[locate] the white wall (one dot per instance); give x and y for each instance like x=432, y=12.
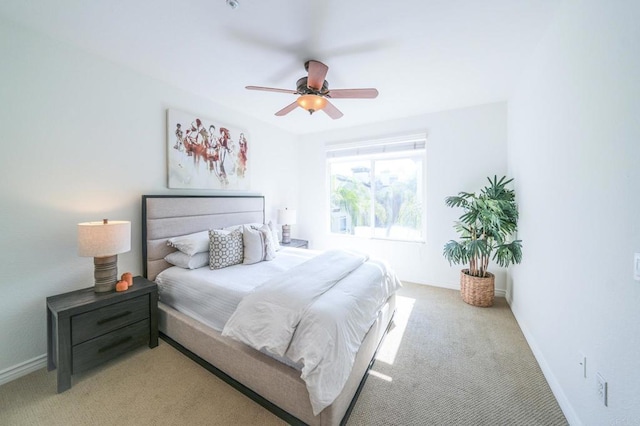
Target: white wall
x=574, y=149
x=82, y=139
x=464, y=146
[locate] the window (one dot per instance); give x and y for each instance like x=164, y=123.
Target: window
x=377, y=189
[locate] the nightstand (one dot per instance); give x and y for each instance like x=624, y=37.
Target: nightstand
x=296, y=243
x=85, y=328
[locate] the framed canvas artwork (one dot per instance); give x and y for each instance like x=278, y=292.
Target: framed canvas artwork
x=205, y=154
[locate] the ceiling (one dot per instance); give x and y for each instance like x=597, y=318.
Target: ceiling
x=422, y=55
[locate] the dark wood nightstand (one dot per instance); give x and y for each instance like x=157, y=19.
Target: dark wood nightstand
x=85, y=328
x=296, y=243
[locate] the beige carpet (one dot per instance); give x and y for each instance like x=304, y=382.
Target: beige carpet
x=157, y=386
x=455, y=364
x=444, y=363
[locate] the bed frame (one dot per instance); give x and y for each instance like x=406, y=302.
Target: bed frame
x=270, y=383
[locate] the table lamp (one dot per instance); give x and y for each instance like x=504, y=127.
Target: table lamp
x=104, y=241
x=286, y=217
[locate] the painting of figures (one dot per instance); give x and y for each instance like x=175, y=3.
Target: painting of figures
x=204, y=154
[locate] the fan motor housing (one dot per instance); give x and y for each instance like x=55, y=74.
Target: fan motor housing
x=304, y=89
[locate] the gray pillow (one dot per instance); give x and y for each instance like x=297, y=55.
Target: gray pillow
x=225, y=248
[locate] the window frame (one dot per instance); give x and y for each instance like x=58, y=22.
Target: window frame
x=384, y=149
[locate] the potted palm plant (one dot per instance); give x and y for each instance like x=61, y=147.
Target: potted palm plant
x=486, y=227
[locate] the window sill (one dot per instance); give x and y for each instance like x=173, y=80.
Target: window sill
x=360, y=237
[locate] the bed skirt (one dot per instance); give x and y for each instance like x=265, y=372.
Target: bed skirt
x=278, y=383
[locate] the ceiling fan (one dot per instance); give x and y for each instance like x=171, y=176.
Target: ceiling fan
x=314, y=92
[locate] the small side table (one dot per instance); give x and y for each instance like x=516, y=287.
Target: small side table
x=296, y=244
x=85, y=328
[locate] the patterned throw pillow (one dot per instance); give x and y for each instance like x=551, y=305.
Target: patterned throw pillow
x=225, y=248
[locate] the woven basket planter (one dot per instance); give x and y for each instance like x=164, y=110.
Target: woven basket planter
x=477, y=291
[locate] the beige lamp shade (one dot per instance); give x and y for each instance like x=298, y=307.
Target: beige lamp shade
x=104, y=241
x=287, y=217
x=105, y=238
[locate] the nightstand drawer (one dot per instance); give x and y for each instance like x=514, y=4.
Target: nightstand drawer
x=96, y=351
x=96, y=323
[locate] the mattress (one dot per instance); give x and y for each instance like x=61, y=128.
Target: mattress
x=211, y=296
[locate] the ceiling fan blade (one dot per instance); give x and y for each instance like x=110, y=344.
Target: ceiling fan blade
x=332, y=111
x=353, y=93
x=271, y=89
x=317, y=73
x=286, y=110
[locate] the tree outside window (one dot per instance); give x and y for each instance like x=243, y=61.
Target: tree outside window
x=378, y=196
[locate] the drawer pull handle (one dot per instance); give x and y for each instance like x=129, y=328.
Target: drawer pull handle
x=115, y=317
x=114, y=344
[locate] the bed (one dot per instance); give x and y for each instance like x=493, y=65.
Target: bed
x=275, y=384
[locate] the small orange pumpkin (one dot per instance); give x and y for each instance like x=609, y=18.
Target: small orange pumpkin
x=128, y=278
x=122, y=285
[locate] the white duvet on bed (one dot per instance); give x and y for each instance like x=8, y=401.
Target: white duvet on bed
x=267, y=317
x=316, y=315
x=211, y=296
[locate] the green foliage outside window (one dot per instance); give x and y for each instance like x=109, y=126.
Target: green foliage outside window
x=377, y=198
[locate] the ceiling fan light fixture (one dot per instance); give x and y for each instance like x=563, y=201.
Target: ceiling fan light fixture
x=312, y=103
x=233, y=4
x=314, y=93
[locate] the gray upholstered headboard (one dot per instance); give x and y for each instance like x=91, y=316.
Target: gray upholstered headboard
x=166, y=216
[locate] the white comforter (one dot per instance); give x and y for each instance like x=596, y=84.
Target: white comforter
x=316, y=314
x=212, y=296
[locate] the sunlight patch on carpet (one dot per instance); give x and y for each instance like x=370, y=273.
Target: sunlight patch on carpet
x=380, y=376
x=391, y=344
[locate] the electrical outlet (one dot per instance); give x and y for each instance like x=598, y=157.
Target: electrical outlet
x=582, y=362
x=601, y=387
x=636, y=266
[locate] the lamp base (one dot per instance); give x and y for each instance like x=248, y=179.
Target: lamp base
x=286, y=234
x=105, y=273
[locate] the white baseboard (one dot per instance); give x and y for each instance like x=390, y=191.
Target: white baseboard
x=558, y=392
x=22, y=369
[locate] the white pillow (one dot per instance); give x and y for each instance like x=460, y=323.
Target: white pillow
x=240, y=227
x=258, y=244
x=185, y=261
x=270, y=242
x=225, y=248
x=276, y=237
x=192, y=243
